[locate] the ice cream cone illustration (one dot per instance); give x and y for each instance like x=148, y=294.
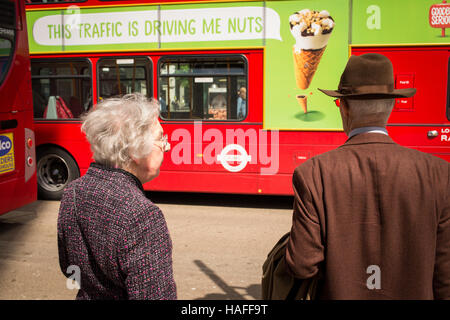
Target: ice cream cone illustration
x=311, y=30
x=302, y=101
x=306, y=62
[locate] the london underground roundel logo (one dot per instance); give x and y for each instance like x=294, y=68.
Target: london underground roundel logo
x=242, y=158
x=5, y=145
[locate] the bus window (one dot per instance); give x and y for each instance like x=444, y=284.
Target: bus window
x=6, y=51
x=61, y=88
x=119, y=76
x=206, y=88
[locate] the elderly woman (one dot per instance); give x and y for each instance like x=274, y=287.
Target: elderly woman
x=106, y=226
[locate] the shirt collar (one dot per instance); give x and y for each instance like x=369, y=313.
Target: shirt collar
x=357, y=131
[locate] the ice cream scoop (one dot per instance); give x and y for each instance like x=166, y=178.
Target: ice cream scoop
x=311, y=30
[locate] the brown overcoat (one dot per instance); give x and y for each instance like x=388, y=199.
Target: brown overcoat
x=372, y=204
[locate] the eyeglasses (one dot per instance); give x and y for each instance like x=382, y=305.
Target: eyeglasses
x=337, y=102
x=164, y=142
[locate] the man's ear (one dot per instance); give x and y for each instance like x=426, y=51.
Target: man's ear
x=344, y=107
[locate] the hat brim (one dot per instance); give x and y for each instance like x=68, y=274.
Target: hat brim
x=397, y=93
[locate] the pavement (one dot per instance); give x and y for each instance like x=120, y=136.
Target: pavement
x=219, y=245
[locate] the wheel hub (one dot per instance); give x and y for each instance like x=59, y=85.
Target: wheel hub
x=53, y=172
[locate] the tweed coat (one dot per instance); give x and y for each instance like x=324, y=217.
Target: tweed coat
x=372, y=218
x=116, y=236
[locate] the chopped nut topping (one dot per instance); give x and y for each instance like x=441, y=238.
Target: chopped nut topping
x=312, y=22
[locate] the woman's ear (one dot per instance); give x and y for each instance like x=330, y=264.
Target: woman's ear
x=137, y=161
x=134, y=163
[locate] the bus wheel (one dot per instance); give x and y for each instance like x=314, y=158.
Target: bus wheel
x=55, y=169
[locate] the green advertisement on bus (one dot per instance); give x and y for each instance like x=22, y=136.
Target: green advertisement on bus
x=306, y=43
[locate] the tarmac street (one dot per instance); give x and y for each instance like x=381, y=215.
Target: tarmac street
x=219, y=245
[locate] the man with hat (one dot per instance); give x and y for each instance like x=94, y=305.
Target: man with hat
x=371, y=218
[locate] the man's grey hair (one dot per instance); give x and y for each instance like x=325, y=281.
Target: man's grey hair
x=361, y=108
x=119, y=129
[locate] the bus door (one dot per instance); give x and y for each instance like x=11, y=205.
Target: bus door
x=421, y=122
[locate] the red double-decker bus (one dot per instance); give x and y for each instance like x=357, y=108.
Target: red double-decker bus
x=17, y=145
x=227, y=74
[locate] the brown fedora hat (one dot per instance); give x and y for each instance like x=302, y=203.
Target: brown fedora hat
x=368, y=76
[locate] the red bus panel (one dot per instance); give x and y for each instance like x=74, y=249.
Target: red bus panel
x=421, y=122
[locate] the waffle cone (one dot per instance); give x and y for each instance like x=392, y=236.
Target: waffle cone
x=305, y=64
x=302, y=101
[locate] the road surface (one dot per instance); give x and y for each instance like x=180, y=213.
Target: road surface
x=219, y=245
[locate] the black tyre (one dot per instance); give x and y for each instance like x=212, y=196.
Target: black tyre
x=55, y=169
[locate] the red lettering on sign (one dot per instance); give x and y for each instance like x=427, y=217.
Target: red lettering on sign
x=439, y=16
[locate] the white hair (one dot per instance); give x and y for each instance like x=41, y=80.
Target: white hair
x=119, y=129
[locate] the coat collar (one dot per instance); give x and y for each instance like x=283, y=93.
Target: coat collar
x=129, y=176
x=366, y=138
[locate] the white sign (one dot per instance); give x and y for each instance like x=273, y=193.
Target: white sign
x=190, y=25
x=203, y=80
x=224, y=158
